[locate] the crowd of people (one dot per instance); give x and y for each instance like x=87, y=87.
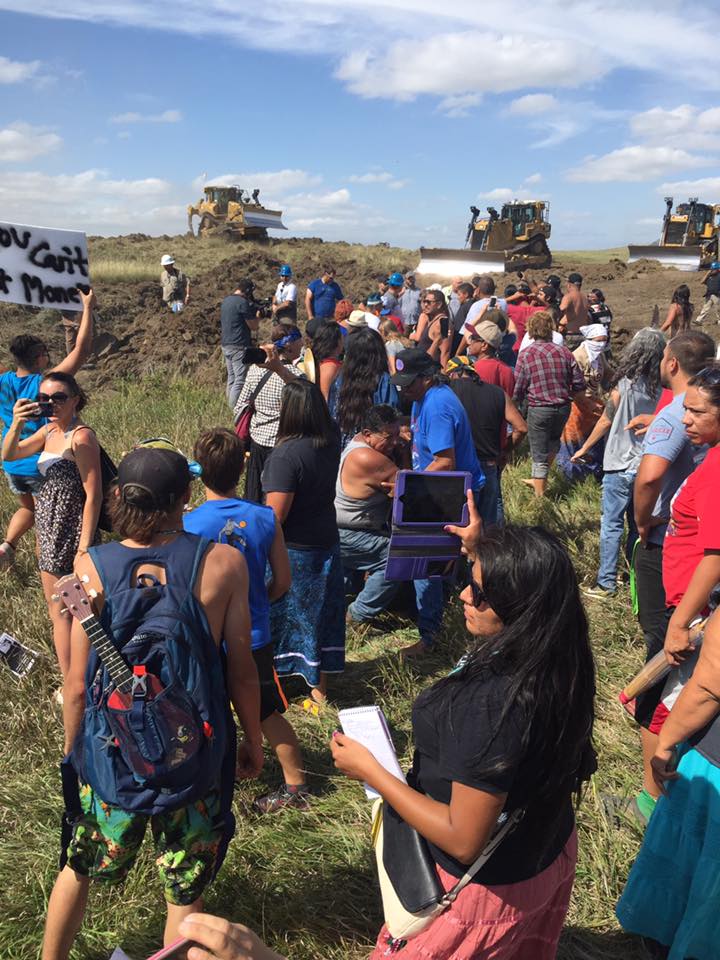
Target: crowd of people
x=210, y=610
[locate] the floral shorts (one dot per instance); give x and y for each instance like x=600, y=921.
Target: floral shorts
x=106, y=841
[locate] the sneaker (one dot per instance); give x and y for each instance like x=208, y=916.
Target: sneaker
x=598, y=593
x=7, y=553
x=294, y=798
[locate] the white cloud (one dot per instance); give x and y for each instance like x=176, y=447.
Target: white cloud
x=634, y=164
x=275, y=183
x=534, y=103
x=533, y=178
x=167, y=116
x=459, y=105
x=685, y=126
x=708, y=187
x=20, y=142
x=380, y=177
x=500, y=194
x=15, y=71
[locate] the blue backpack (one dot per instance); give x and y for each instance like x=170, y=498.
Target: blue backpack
x=157, y=724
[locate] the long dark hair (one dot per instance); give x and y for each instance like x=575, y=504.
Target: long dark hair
x=326, y=339
x=641, y=358
x=304, y=413
x=544, y=649
x=681, y=295
x=365, y=362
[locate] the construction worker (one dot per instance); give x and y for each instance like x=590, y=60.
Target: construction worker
x=284, y=304
x=711, y=280
x=175, y=285
x=393, y=292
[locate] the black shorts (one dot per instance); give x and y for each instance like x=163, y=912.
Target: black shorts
x=272, y=698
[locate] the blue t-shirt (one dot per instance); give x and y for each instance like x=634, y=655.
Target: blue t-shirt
x=12, y=388
x=325, y=296
x=439, y=422
x=666, y=438
x=250, y=528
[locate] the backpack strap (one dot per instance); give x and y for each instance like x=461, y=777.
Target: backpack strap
x=180, y=559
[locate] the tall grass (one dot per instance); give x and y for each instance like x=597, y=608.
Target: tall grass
x=305, y=882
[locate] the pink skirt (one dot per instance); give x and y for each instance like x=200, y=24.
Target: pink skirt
x=515, y=921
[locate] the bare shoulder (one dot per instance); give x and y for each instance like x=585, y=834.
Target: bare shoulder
x=84, y=436
x=222, y=564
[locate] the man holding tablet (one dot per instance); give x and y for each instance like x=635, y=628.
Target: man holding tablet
x=441, y=441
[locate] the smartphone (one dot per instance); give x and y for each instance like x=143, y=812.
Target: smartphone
x=176, y=949
x=254, y=355
x=45, y=408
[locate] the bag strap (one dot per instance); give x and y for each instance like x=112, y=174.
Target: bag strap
x=488, y=850
x=261, y=383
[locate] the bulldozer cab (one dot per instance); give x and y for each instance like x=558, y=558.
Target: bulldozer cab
x=524, y=216
x=702, y=218
x=221, y=196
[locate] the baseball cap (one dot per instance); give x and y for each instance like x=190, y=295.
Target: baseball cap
x=490, y=333
x=715, y=265
x=357, y=318
x=153, y=479
x=553, y=280
x=575, y=278
x=373, y=300
x=459, y=363
x=166, y=260
x=411, y=364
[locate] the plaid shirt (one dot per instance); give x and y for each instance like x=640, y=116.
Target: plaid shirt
x=547, y=374
x=266, y=419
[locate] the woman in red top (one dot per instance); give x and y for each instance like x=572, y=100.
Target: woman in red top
x=327, y=347
x=691, y=552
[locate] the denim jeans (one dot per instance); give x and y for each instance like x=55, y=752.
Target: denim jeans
x=545, y=426
x=236, y=372
x=490, y=497
x=365, y=551
x=430, y=601
x=617, y=503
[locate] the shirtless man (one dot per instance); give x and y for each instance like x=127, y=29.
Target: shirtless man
x=575, y=308
x=153, y=488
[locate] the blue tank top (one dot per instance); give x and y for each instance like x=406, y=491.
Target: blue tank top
x=251, y=528
x=12, y=388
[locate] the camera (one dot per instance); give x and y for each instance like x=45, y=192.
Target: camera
x=263, y=306
x=254, y=355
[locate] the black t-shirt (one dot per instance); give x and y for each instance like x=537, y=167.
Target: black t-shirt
x=296, y=466
x=459, y=738
x=484, y=404
x=458, y=321
x=234, y=313
x=712, y=285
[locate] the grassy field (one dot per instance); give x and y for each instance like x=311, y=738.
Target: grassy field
x=305, y=882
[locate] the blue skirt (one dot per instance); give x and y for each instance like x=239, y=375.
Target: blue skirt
x=308, y=623
x=673, y=891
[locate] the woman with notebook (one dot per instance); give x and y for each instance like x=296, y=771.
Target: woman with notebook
x=509, y=729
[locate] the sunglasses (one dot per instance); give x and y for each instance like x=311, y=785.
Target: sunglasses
x=709, y=375
x=479, y=597
x=429, y=300
x=56, y=398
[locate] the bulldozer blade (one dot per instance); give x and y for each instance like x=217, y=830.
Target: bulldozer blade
x=445, y=264
x=682, y=258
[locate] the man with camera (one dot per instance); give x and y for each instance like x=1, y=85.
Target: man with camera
x=239, y=318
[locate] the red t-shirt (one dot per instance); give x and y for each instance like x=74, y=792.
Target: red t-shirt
x=666, y=398
x=694, y=527
x=519, y=313
x=495, y=371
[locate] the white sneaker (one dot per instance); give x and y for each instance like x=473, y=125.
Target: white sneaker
x=7, y=554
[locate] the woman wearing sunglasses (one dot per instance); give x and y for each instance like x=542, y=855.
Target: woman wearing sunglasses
x=68, y=503
x=671, y=893
x=510, y=728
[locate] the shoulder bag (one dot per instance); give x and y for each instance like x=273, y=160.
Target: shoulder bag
x=242, y=427
x=412, y=895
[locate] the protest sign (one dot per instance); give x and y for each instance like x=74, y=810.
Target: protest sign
x=41, y=267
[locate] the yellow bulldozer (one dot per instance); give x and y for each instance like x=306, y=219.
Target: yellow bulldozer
x=514, y=239
x=234, y=214
x=689, y=237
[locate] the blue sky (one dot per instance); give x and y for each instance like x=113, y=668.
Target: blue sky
x=366, y=120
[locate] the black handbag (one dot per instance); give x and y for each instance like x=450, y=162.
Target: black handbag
x=108, y=476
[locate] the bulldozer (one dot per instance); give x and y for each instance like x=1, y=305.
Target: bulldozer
x=514, y=239
x=689, y=237
x=233, y=213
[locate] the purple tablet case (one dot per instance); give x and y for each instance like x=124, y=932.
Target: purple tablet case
x=421, y=550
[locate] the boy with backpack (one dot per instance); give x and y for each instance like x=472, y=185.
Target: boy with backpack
x=252, y=529
x=156, y=661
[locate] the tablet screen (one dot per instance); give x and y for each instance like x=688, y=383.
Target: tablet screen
x=430, y=498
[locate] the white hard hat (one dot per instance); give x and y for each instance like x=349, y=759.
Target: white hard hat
x=167, y=260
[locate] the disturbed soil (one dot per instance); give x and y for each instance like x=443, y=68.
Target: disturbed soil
x=137, y=336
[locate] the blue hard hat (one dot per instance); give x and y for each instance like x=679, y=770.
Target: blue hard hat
x=286, y=270
x=715, y=265
x=396, y=279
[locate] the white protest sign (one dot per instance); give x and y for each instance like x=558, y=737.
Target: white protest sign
x=41, y=267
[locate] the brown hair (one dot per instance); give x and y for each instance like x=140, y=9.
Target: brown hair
x=221, y=456
x=131, y=522
x=71, y=383
x=540, y=325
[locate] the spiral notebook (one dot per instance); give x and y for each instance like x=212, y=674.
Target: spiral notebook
x=369, y=727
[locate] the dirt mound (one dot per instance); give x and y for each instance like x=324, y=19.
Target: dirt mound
x=137, y=335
